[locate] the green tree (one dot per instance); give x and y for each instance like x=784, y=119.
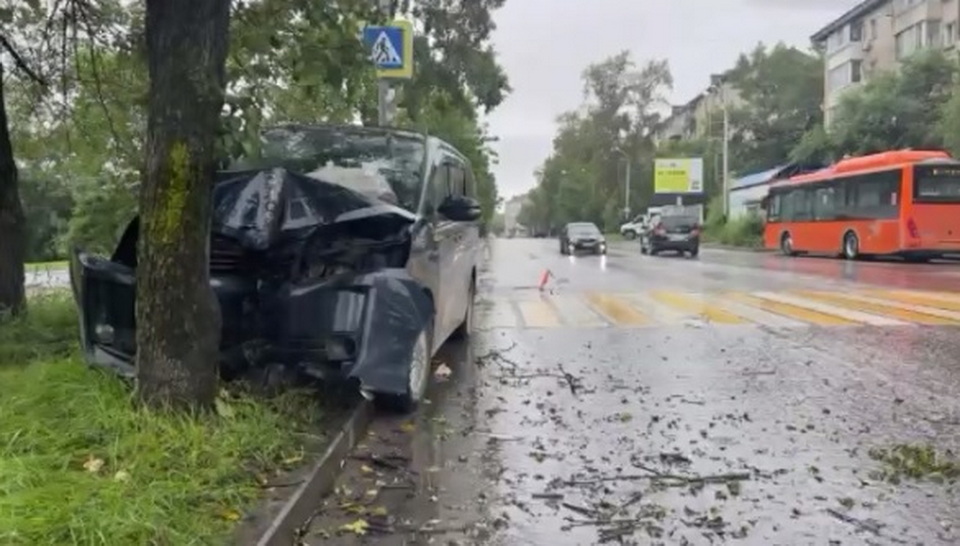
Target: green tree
x=583, y=178
x=13, y=229
x=781, y=88
x=908, y=108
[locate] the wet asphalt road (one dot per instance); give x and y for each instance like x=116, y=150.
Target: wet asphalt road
x=657, y=400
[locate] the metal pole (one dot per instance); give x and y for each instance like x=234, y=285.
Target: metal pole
x=383, y=102
x=626, y=198
x=383, y=85
x=726, y=161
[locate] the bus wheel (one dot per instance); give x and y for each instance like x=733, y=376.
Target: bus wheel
x=851, y=246
x=786, y=245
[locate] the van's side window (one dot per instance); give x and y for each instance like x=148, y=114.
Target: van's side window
x=437, y=191
x=458, y=180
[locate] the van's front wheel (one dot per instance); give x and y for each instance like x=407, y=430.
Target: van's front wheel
x=418, y=377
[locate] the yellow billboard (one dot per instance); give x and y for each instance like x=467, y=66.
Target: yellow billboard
x=678, y=175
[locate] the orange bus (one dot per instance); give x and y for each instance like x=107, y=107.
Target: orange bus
x=904, y=203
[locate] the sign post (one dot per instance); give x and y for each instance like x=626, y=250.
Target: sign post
x=391, y=50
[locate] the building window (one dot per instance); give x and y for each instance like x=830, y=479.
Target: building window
x=873, y=29
x=841, y=76
x=856, y=31
x=949, y=33
x=837, y=40
x=838, y=77
x=934, y=38
x=910, y=40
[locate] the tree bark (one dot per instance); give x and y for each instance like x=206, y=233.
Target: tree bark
x=178, y=318
x=12, y=220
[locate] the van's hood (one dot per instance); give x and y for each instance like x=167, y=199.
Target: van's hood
x=262, y=208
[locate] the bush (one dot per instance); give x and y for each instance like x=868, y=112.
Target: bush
x=743, y=231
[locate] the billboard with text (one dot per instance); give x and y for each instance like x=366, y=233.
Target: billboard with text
x=678, y=175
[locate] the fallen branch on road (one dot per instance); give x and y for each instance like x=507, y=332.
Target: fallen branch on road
x=496, y=355
x=861, y=525
x=660, y=478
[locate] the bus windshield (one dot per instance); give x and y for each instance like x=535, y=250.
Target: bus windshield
x=936, y=184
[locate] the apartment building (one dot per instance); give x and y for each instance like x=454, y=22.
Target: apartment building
x=876, y=35
x=701, y=117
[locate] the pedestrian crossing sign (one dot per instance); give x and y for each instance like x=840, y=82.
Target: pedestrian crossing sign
x=391, y=49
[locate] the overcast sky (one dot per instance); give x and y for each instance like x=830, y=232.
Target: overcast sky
x=545, y=50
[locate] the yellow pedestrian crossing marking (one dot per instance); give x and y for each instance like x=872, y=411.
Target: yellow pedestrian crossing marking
x=664, y=308
x=539, y=314
x=689, y=304
x=792, y=311
x=617, y=310
x=930, y=299
x=885, y=309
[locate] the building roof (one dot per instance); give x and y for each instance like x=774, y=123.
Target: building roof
x=756, y=179
x=858, y=11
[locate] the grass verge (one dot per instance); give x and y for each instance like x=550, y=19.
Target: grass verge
x=80, y=463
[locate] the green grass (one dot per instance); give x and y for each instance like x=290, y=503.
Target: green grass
x=44, y=266
x=81, y=463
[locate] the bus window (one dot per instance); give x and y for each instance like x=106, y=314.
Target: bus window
x=936, y=184
x=772, y=205
x=824, y=204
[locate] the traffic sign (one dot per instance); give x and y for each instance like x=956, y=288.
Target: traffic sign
x=391, y=49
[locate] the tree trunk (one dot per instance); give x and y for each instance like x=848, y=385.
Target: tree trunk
x=12, y=229
x=178, y=318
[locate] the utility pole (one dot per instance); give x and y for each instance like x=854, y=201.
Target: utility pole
x=626, y=184
x=626, y=192
x=726, y=159
x=383, y=85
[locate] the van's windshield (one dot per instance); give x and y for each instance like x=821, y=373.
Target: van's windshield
x=386, y=165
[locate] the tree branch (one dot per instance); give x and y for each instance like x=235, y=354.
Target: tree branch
x=19, y=62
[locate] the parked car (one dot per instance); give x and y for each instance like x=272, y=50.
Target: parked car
x=582, y=236
x=345, y=253
x=678, y=233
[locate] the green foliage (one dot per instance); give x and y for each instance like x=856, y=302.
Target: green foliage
x=746, y=231
x=782, y=88
x=82, y=465
x=915, y=107
x=80, y=144
x=583, y=178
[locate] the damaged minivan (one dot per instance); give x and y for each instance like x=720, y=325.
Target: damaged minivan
x=340, y=252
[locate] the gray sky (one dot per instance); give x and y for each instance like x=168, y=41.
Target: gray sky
x=545, y=50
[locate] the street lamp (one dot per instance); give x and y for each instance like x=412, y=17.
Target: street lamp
x=717, y=86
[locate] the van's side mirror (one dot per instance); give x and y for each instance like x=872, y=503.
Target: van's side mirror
x=460, y=209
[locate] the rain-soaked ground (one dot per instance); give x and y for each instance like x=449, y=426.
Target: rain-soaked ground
x=740, y=398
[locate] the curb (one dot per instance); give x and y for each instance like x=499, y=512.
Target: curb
x=300, y=507
x=731, y=248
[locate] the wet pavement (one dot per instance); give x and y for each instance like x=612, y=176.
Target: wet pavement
x=741, y=398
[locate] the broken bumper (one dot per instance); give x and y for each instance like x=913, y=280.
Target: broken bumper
x=351, y=326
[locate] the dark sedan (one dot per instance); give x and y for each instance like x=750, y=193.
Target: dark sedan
x=680, y=234
x=582, y=236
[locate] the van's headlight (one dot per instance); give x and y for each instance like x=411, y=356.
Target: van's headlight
x=104, y=334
